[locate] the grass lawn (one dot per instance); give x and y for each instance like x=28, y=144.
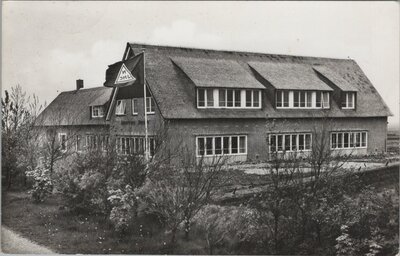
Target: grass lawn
x=64, y=232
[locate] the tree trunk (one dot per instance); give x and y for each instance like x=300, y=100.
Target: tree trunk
x=187, y=228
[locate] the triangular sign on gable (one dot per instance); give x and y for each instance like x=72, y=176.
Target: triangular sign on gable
x=124, y=75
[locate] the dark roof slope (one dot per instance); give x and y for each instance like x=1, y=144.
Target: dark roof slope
x=335, y=78
x=73, y=107
x=175, y=93
x=217, y=73
x=290, y=76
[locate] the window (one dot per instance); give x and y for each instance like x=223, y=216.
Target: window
x=222, y=98
x=348, y=140
x=290, y=142
x=62, y=137
x=78, y=143
x=210, y=98
x=121, y=107
x=201, y=98
x=97, y=111
x=150, y=105
x=228, y=98
x=221, y=145
x=348, y=100
x=135, y=107
x=282, y=99
x=302, y=99
x=134, y=145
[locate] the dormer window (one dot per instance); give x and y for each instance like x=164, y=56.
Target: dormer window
x=97, y=111
x=348, y=100
x=228, y=98
x=302, y=99
x=120, y=108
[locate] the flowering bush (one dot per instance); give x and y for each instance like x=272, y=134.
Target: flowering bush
x=42, y=183
x=124, y=208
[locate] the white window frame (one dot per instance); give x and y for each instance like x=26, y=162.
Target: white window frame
x=77, y=142
x=120, y=111
x=216, y=92
x=135, y=111
x=347, y=101
x=134, y=143
x=336, y=134
x=297, y=134
x=222, y=145
x=60, y=135
x=150, y=100
x=312, y=105
x=97, y=111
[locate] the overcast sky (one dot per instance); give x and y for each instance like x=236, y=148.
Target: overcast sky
x=46, y=46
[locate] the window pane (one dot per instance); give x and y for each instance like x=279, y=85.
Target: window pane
x=302, y=99
x=286, y=99
x=326, y=99
x=210, y=97
x=333, y=139
x=230, y=98
x=222, y=99
x=135, y=106
x=287, y=142
x=201, y=99
x=209, y=145
x=272, y=143
x=256, y=99
x=351, y=139
x=200, y=145
x=78, y=142
x=296, y=101
x=345, y=140
x=301, y=141
x=248, y=98
x=242, y=144
x=294, y=142
x=358, y=139
x=280, y=142
x=308, y=141
x=226, y=145
x=363, y=139
x=309, y=99
x=350, y=99
x=318, y=100
x=344, y=100
x=340, y=140
x=218, y=146
x=237, y=98
x=152, y=146
x=279, y=98
x=234, y=144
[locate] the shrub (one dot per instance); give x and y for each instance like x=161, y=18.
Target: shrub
x=226, y=226
x=124, y=204
x=42, y=183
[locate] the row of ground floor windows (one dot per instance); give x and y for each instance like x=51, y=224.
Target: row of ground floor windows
x=285, y=142
x=221, y=145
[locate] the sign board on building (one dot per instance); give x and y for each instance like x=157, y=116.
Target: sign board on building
x=124, y=75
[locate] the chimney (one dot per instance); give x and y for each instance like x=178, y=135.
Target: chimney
x=79, y=84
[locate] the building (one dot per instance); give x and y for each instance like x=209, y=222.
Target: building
x=241, y=104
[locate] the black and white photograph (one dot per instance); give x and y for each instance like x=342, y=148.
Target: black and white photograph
x=200, y=128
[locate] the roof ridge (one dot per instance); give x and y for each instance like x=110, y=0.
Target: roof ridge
x=138, y=44
x=87, y=89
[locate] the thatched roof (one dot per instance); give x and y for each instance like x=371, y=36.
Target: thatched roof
x=73, y=107
x=217, y=73
x=335, y=78
x=173, y=73
x=290, y=76
x=175, y=94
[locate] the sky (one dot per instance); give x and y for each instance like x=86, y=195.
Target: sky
x=46, y=46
